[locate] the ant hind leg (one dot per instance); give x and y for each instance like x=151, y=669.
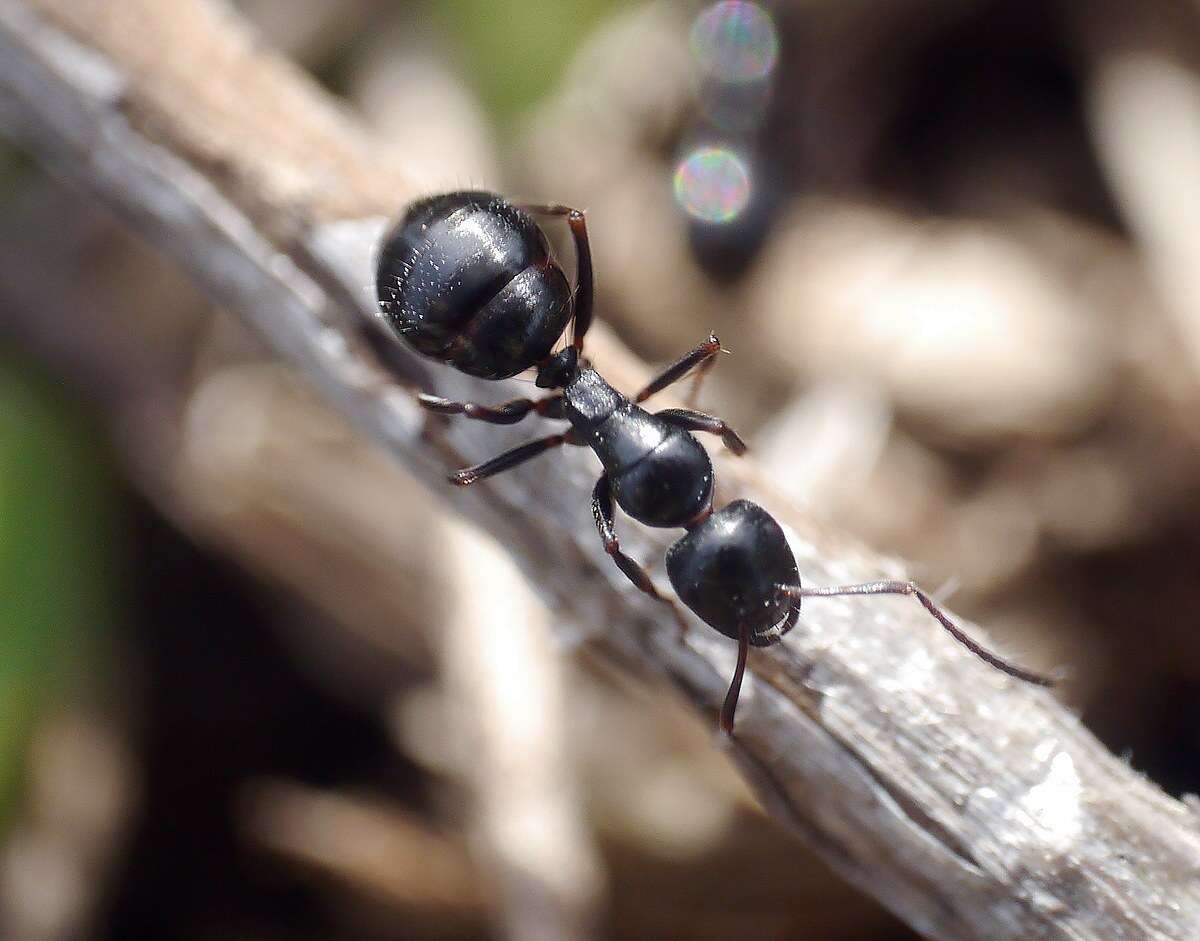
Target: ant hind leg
x=701, y=359
x=508, y=413
x=584, y=294
x=509, y=459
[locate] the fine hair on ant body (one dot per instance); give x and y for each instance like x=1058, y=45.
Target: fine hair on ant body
x=469, y=279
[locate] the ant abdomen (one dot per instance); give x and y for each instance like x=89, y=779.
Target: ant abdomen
x=468, y=278
x=728, y=568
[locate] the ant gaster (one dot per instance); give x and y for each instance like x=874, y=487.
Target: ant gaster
x=469, y=279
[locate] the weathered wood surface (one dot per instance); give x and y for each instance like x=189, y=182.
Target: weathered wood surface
x=972, y=805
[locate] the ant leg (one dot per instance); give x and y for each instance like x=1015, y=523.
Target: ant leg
x=910, y=588
x=701, y=356
x=584, y=295
x=729, y=707
x=509, y=459
x=702, y=371
x=689, y=420
x=508, y=413
x=602, y=510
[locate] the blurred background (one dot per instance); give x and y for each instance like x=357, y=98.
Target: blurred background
x=244, y=687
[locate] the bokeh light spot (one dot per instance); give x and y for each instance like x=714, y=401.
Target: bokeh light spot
x=735, y=41
x=712, y=184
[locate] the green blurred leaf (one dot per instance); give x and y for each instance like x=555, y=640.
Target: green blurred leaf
x=516, y=50
x=56, y=571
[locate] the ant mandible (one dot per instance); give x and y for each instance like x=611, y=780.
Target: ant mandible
x=469, y=279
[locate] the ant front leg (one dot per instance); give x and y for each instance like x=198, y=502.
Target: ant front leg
x=701, y=359
x=509, y=413
x=602, y=511
x=910, y=588
x=689, y=420
x=584, y=295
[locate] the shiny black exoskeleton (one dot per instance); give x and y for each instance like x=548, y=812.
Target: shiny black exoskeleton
x=468, y=279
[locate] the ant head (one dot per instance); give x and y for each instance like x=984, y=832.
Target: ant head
x=560, y=369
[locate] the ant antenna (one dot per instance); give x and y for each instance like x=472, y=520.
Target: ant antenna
x=729, y=706
x=909, y=588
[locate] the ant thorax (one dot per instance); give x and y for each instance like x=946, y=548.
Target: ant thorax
x=589, y=399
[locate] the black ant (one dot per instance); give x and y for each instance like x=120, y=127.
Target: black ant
x=469, y=279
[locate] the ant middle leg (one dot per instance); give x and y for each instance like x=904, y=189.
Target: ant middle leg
x=602, y=511
x=701, y=359
x=510, y=459
x=508, y=413
x=690, y=420
x=910, y=588
x=584, y=294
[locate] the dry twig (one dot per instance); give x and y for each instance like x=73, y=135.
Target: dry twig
x=973, y=806
x=506, y=686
